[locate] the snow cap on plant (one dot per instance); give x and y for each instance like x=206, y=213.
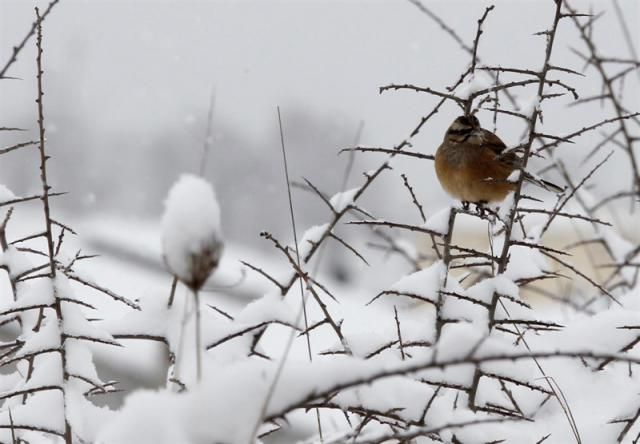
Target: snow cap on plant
x=191, y=235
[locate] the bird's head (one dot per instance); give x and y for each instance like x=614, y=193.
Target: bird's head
x=462, y=128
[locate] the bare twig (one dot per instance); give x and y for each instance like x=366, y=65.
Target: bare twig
x=20, y=46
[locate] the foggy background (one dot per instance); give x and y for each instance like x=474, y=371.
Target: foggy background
x=128, y=86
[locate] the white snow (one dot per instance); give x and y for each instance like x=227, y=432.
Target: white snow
x=270, y=307
x=514, y=176
x=310, y=237
x=475, y=83
x=190, y=226
x=48, y=337
x=393, y=357
x=439, y=222
x=6, y=194
x=16, y=262
x=425, y=282
x=151, y=319
x=340, y=201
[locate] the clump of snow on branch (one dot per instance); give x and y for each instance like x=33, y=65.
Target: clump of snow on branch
x=475, y=83
x=439, y=222
x=191, y=233
x=343, y=199
x=311, y=237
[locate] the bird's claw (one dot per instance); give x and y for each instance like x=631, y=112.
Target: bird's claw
x=480, y=209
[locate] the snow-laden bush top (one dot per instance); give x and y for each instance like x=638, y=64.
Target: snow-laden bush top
x=191, y=234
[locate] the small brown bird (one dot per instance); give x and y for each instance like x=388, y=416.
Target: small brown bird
x=472, y=165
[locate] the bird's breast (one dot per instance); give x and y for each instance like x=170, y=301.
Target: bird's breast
x=471, y=173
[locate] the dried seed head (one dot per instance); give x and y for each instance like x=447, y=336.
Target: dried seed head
x=191, y=235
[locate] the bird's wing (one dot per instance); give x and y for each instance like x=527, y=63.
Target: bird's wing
x=492, y=141
x=496, y=145
x=549, y=186
x=510, y=160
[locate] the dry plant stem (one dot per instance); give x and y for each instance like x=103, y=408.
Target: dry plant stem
x=196, y=301
x=74, y=277
x=407, y=436
x=172, y=293
x=369, y=179
x=512, y=215
x=553, y=386
x=422, y=216
x=413, y=197
x=28, y=198
x=18, y=146
x=303, y=308
x=352, y=156
x=30, y=428
x=395, y=311
x=208, y=138
x=250, y=329
x=476, y=41
x=337, y=216
x=20, y=46
x=310, y=283
x=178, y=353
x=68, y=436
x=345, y=181
x=388, y=224
x=465, y=104
x=295, y=234
x=590, y=212
x=627, y=428
x=392, y=151
x=574, y=190
x=434, y=363
x=446, y=259
x=5, y=246
x=610, y=94
x=13, y=432
x=472, y=50
x=627, y=34
x=510, y=222
x=568, y=138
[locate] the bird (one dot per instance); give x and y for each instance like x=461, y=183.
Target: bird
x=473, y=165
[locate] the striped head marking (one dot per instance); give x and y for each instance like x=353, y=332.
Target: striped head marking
x=462, y=128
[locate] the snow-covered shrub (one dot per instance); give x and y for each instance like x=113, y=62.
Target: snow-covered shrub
x=449, y=352
x=48, y=376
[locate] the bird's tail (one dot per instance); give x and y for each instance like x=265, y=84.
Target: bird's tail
x=549, y=186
